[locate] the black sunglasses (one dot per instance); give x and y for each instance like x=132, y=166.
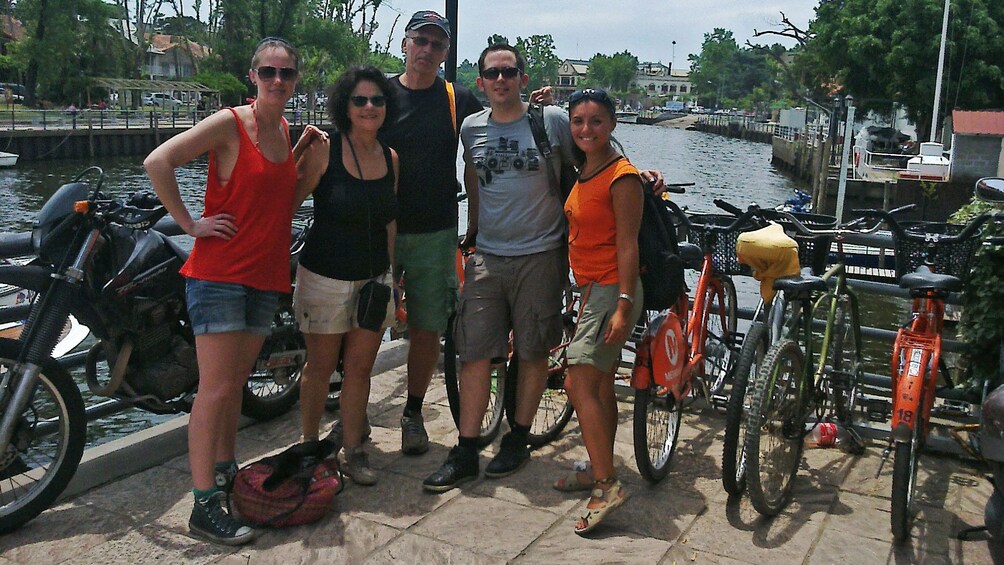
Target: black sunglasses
x=268, y=73
x=492, y=73
x=594, y=94
x=359, y=101
x=423, y=41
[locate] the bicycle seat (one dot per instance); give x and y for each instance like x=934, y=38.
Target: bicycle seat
x=802, y=282
x=691, y=254
x=924, y=279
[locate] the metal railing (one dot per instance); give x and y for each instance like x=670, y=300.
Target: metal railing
x=25, y=119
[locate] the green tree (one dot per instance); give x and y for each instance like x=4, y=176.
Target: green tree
x=467, y=75
x=714, y=70
x=232, y=91
x=885, y=52
x=612, y=72
x=542, y=63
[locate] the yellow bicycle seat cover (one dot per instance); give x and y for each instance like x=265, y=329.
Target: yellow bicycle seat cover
x=771, y=254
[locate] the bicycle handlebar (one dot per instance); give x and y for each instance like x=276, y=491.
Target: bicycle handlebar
x=968, y=232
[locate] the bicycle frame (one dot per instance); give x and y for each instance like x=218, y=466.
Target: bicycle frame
x=915, y=349
x=697, y=322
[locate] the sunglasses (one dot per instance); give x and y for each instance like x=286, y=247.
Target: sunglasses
x=268, y=73
x=594, y=94
x=423, y=41
x=360, y=101
x=493, y=73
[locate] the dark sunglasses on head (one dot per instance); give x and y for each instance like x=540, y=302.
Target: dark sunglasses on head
x=359, y=101
x=268, y=73
x=423, y=41
x=492, y=73
x=594, y=94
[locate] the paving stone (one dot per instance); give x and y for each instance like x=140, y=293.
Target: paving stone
x=148, y=545
x=421, y=550
x=334, y=539
x=144, y=496
x=396, y=500
x=606, y=544
x=835, y=546
x=467, y=518
x=63, y=532
x=531, y=486
x=681, y=554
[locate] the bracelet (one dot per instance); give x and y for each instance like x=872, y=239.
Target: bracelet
x=626, y=296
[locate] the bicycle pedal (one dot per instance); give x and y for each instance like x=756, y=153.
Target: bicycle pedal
x=719, y=401
x=877, y=410
x=952, y=408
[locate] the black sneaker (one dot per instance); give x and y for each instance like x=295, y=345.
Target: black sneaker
x=512, y=455
x=211, y=522
x=461, y=466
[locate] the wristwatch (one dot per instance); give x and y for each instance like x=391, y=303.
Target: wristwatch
x=626, y=296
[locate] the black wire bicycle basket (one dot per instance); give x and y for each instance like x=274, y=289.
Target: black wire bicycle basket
x=950, y=257
x=813, y=250
x=723, y=243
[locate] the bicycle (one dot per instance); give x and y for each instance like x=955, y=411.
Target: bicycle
x=790, y=386
x=703, y=352
x=763, y=331
x=932, y=260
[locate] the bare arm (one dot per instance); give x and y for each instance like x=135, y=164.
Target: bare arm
x=217, y=133
x=471, y=187
x=392, y=227
x=627, y=203
x=310, y=166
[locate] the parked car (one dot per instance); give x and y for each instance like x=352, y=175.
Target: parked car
x=162, y=100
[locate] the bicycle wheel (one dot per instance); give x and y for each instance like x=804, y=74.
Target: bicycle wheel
x=656, y=429
x=845, y=362
x=904, y=481
x=719, y=344
x=271, y=391
x=775, y=428
x=47, y=444
x=744, y=380
x=492, y=420
x=554, y=410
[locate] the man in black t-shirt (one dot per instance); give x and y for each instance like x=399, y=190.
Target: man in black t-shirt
x=425, y=138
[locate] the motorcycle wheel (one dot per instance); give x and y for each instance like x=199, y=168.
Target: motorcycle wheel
x=270, y=393
x=49, y=438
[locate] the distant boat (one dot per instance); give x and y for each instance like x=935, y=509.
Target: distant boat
x=7, y=159
x=627, y=117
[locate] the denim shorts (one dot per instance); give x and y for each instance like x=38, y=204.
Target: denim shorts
x=219, y=307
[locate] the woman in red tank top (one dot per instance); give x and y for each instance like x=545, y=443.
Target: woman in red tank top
x=233, y=282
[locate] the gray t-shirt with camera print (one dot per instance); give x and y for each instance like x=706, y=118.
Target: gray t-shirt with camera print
x=519, y=212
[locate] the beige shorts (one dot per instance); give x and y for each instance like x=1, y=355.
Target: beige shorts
x=329, y=306
x=587, y=347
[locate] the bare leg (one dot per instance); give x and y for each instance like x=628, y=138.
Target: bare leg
x=423, y=355
x=475, y=390
x=360, y=352
x=584, y=391
x=531, y=386
x=322, y=358
x=225, y=360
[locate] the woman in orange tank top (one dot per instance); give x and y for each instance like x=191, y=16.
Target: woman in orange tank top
x=233, y=282
x=604, y=213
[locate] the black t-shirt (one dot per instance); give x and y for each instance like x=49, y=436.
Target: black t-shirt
x=348, y=240
x=426, y=146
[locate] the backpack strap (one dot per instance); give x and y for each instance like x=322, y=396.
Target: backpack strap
x=452, y=95
x=535, y=113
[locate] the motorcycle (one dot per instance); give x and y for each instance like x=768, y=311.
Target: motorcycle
x=99, y=260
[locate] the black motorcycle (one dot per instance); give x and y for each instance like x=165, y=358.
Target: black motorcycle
x=99, y=260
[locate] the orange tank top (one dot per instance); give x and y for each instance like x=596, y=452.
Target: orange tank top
x=260, y=196
x=592, y=230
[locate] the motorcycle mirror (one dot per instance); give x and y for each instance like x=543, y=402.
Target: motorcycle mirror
x=990, y=189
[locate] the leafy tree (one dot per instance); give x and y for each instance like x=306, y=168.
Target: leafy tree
x=612, y=72
x=542, y=63
x=714, y=71
x=495, y=39
x=467, y=75
x=885, y=52
x=231, y=90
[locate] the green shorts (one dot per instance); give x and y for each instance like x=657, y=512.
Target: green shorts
x=428, y=263
x=587, y=347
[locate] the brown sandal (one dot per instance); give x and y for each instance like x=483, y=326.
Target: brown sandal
x=570, y=482
x=612, y=498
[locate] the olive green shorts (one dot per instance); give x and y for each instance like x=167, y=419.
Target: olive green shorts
x=428, y=263
x=587, y=347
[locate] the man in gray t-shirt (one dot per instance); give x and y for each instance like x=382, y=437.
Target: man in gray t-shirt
x=515, y=279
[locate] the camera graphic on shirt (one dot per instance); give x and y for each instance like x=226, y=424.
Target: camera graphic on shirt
x=508, y=157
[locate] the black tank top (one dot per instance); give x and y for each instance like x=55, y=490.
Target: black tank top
x=348, y=240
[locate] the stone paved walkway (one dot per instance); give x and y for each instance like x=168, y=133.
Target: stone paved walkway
x=840, y=512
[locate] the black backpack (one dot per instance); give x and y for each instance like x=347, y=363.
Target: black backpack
x=659, y=262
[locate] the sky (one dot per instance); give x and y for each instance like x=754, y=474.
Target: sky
x=583, y=28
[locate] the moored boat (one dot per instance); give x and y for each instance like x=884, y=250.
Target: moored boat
x=7, y=159
x=627, y=117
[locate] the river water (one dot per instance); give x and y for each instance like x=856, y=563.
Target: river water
x=735, y=170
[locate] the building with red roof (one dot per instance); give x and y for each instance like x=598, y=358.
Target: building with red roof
x=976, y=139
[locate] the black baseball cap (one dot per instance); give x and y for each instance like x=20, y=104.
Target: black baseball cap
x=428, y=17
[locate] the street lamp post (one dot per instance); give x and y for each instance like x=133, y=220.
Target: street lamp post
x=672, y=62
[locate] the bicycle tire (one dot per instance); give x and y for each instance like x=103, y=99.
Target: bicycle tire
x=776, y=413
x=554, y=410
x=23, y=493
x=845, y=364
x=904, y=479
x=492, y=421
x=655, y=442
x=720, y=328
x=744, y=379
x=270, y=393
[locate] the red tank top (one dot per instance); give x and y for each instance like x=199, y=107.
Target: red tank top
x=260, y=196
